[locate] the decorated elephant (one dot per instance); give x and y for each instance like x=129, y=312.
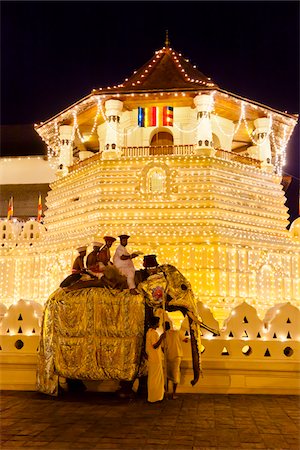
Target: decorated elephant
x=97, y=333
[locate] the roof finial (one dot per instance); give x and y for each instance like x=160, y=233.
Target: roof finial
x=167, y=42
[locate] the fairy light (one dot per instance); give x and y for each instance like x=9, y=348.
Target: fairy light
x=88, y=136
x=212, y=211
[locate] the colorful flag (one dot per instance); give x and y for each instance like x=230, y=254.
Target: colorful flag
x=168, y=116
x=147, y=116
x=155, y=116
x=40, y=209
x=10, y=211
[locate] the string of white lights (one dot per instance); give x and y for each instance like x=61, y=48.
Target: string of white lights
x=230, y=135
x=87, y=137
x=250, y=134
x=53, y=147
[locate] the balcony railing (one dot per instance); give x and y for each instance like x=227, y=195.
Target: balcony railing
x=182, y=150
x=174, y=150
x=231, y=156
x=160, y=150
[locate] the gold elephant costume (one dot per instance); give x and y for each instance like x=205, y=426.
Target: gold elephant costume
x=98, y=333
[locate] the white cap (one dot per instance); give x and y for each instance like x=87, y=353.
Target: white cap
x=82, y=249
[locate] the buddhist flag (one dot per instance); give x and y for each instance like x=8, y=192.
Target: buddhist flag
x=155, y=116
x=40, y=209
x=168, y=116
x=147, y=117
x=10, y=210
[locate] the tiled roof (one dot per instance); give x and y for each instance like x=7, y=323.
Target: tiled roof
x=167, y=70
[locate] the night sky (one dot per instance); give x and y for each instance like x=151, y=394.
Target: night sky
x=54, y=53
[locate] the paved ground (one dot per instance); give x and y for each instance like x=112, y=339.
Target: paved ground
x=30, y=420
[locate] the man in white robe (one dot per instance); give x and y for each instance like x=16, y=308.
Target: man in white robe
x=123, y=262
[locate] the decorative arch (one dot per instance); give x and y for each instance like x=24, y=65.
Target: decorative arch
x=161, y=139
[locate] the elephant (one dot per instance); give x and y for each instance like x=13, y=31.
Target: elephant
x=96, y=332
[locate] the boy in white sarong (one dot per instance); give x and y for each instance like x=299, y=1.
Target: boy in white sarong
x=155, y=381
x=173, y=354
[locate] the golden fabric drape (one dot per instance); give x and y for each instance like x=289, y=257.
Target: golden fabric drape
x=90, y=334
x=97, y=333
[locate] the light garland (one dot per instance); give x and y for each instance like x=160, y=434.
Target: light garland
x=250, y=134
x=233, y=209
x=242, y=118
x=177, y=59
x=280, y=153
x=87, y=138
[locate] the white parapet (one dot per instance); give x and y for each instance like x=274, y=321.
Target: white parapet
x=251, y=355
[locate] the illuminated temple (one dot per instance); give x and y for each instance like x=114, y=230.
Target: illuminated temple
x=192, y=173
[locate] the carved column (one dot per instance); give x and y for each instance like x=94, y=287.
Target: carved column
x=66, y=147
x=113, y=113
x=204, y=105
x=261, y=135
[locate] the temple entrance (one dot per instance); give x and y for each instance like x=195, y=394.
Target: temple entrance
x=161, y=143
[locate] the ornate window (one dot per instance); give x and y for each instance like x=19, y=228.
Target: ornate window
x=156, y=180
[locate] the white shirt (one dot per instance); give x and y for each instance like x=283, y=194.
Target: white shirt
x=122, y=263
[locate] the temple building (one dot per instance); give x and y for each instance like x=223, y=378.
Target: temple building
x=192, y=172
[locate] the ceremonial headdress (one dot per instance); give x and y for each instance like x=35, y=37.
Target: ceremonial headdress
x=82, y=249
x=109, y=239
x=150, y=262
x=97, y=244
x=124, y=236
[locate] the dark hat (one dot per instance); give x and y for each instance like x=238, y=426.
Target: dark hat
x=97, y=244
x=109, y=239
x=150, y=262
x=125, y=236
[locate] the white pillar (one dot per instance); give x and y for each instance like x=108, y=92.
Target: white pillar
x=113, y=109
x=204, y=105
x=262, y=137
x=66, y=147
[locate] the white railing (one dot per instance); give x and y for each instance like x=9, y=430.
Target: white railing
x=166, y=150
x=160, y=150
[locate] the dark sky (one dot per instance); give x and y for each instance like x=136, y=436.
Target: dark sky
x=54, y=53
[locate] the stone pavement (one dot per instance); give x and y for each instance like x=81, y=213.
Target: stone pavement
x=93, y=420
